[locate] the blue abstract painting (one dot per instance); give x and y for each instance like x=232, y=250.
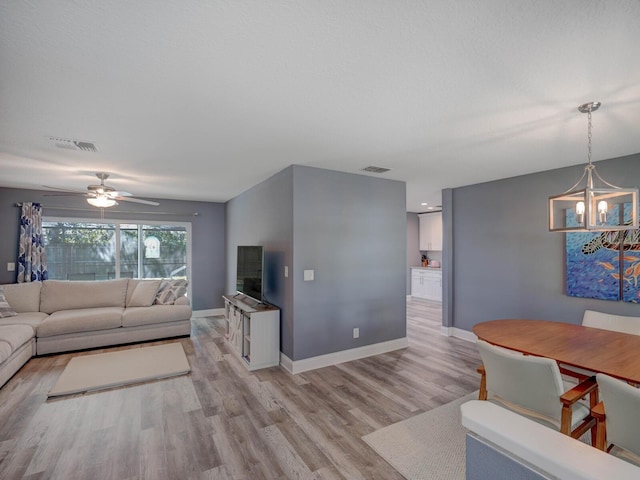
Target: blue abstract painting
x=591, y=274
x=604, y=265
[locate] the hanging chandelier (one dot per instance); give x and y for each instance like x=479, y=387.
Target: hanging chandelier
x=587, y=207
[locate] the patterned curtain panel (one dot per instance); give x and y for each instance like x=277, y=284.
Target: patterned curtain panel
x=32, y=261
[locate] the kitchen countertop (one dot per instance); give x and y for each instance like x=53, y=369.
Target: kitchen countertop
x=428, y=268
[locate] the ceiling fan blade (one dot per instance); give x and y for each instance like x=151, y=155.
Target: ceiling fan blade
x=68, y=190
x=137, y=200
x=66, y=194
x=100, y=191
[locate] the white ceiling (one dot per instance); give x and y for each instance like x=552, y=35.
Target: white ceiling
x=200, y=100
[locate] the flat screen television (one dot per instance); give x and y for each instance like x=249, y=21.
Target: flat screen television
x=249, y=271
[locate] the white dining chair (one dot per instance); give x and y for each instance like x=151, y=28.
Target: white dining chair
x=618, y=418
x=533, y=386
x=604, y=321
x=607, y=321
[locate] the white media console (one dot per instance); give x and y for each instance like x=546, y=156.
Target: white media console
x=253, y=331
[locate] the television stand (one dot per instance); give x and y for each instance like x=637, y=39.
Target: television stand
x=253, y=330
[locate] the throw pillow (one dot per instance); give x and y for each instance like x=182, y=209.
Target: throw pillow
x=5, y=308
x=170, y=291
x=144, y=294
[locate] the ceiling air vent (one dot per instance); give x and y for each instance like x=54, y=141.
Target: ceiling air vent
x=373, y=169
x=76, y=145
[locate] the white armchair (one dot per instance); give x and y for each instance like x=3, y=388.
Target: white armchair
x=604, y=321
x=618, y=417
x=607, y=321
x=533, y=387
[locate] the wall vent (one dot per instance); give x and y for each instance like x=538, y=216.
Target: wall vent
x=75, y=145
x=373, y=169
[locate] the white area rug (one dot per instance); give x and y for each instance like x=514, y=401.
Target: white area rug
x=124, y=367
x=429, y=446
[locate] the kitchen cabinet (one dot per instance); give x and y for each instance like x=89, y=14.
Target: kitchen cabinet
x=430, y=231
x=426, y=283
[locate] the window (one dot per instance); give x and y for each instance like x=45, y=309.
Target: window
x=78, y=250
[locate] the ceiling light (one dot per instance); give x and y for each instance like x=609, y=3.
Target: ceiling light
x=424, y=204
x=591, y=208
x=101, y=201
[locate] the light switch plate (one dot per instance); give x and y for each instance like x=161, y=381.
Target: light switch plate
x=11, y=267
x=308, y=275
x=286, y=271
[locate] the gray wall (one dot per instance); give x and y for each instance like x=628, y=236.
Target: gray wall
x=506, y=264
x=351, y=230
x=207, y=277
x=263, y=215
x=414, y=259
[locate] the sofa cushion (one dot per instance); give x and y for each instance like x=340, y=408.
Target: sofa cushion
x=29, y=318
x=16, y=335
x=5, y=308
x=182, y=301
x=134, y=316
x=144, y=294
x=59, y=295
x=131, y=287
x=170, y=291
x=23, y=297
x=5, y=351
x=80, y=320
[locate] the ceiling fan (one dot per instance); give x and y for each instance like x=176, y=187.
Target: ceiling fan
x=103, y=196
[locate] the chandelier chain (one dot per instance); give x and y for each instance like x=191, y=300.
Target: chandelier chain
x=589, y=137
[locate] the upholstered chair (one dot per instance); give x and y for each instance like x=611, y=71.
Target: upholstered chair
x=604, y=321
x=533, y=386
x=607, y=321
x=618, y=418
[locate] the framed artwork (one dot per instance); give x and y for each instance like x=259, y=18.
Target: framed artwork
x=603, y=265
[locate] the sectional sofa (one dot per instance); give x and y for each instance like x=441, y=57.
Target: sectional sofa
x=54, y=316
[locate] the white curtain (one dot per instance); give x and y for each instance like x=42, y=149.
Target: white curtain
x=32, y=261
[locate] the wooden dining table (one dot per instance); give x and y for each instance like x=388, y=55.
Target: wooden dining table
x=594, y=349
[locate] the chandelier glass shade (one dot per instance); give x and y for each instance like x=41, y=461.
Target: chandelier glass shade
x=593, y=204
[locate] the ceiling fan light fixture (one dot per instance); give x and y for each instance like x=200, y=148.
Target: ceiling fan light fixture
x=101, y=201
x=587, y=208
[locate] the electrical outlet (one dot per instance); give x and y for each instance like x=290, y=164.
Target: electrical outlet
x=308, y=275
x=356, y=332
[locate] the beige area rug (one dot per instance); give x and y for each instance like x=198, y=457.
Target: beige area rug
x=124, y=367
x=429, y=446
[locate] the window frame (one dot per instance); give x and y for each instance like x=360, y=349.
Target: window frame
x=119, y=222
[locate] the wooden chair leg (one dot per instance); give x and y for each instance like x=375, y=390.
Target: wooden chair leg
x=565, y=419
x=482, y=393
x=598, y=413
x=601, y=436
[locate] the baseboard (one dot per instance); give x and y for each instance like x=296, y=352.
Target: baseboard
x=458, y=333
x=335, y=358
x=212, y=312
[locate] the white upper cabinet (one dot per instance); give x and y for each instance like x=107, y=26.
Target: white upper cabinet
x=431, y=231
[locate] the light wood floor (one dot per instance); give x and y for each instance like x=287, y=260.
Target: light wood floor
x=223, y=422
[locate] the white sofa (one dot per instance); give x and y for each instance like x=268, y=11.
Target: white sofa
x=503, y=445
x=57, y=316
